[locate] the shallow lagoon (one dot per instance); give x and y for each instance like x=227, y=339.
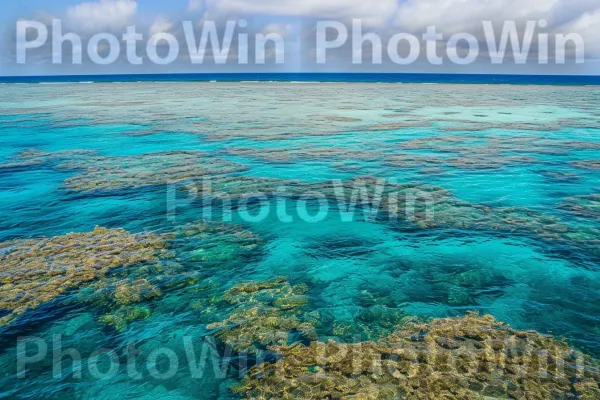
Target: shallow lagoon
x=514, y=232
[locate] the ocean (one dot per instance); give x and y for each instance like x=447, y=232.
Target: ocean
x=191, y=219
x=474, y=79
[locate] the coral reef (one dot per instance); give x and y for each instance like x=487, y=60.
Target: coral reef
x=449, y=212
x=367, y=190
x=291, y=155
x=33, y=272
x=471, y=126
x=484, y=152
x=216, y=244
x=109, y=173
x=342, y=119
x=375, y=322
x=561, y=177
x=488, y=144
x=128, y=288
x=243, y=187
x=471, y=357
x=195, y=247
x=120, y=319
x=30, y=158
x=396, y=126
x=263, y=314
x=587, y=206
x=101, y=173
x=423, y=205
x=470, y=152
x=117, y=271
x=587, y=164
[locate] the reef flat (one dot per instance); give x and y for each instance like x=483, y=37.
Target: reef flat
x=322, y=241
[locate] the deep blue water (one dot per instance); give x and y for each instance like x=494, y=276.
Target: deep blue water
x=574, y=80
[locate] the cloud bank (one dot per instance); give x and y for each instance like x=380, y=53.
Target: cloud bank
x=103, y=15
x=449, y=16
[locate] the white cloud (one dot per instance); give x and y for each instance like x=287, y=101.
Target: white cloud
x=103, y=15
x=452, y=16
x=279, y=29
x=567, y=11
x=588, y=26
x=449, y=16
x=194, y=5
x=160, y=25
x=372, y=12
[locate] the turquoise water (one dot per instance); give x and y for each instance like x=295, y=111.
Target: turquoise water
x=513, y=231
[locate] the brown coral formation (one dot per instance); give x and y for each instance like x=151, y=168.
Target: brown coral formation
x=33, y=272
x=471, y=357
x=263, y=314
x=124, y=297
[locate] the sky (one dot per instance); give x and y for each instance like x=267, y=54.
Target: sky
x=295, y=21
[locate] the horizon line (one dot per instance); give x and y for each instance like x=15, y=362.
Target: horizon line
x=317, y=77
x=307, y=73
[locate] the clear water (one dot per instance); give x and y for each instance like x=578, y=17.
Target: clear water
x=525, y=150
